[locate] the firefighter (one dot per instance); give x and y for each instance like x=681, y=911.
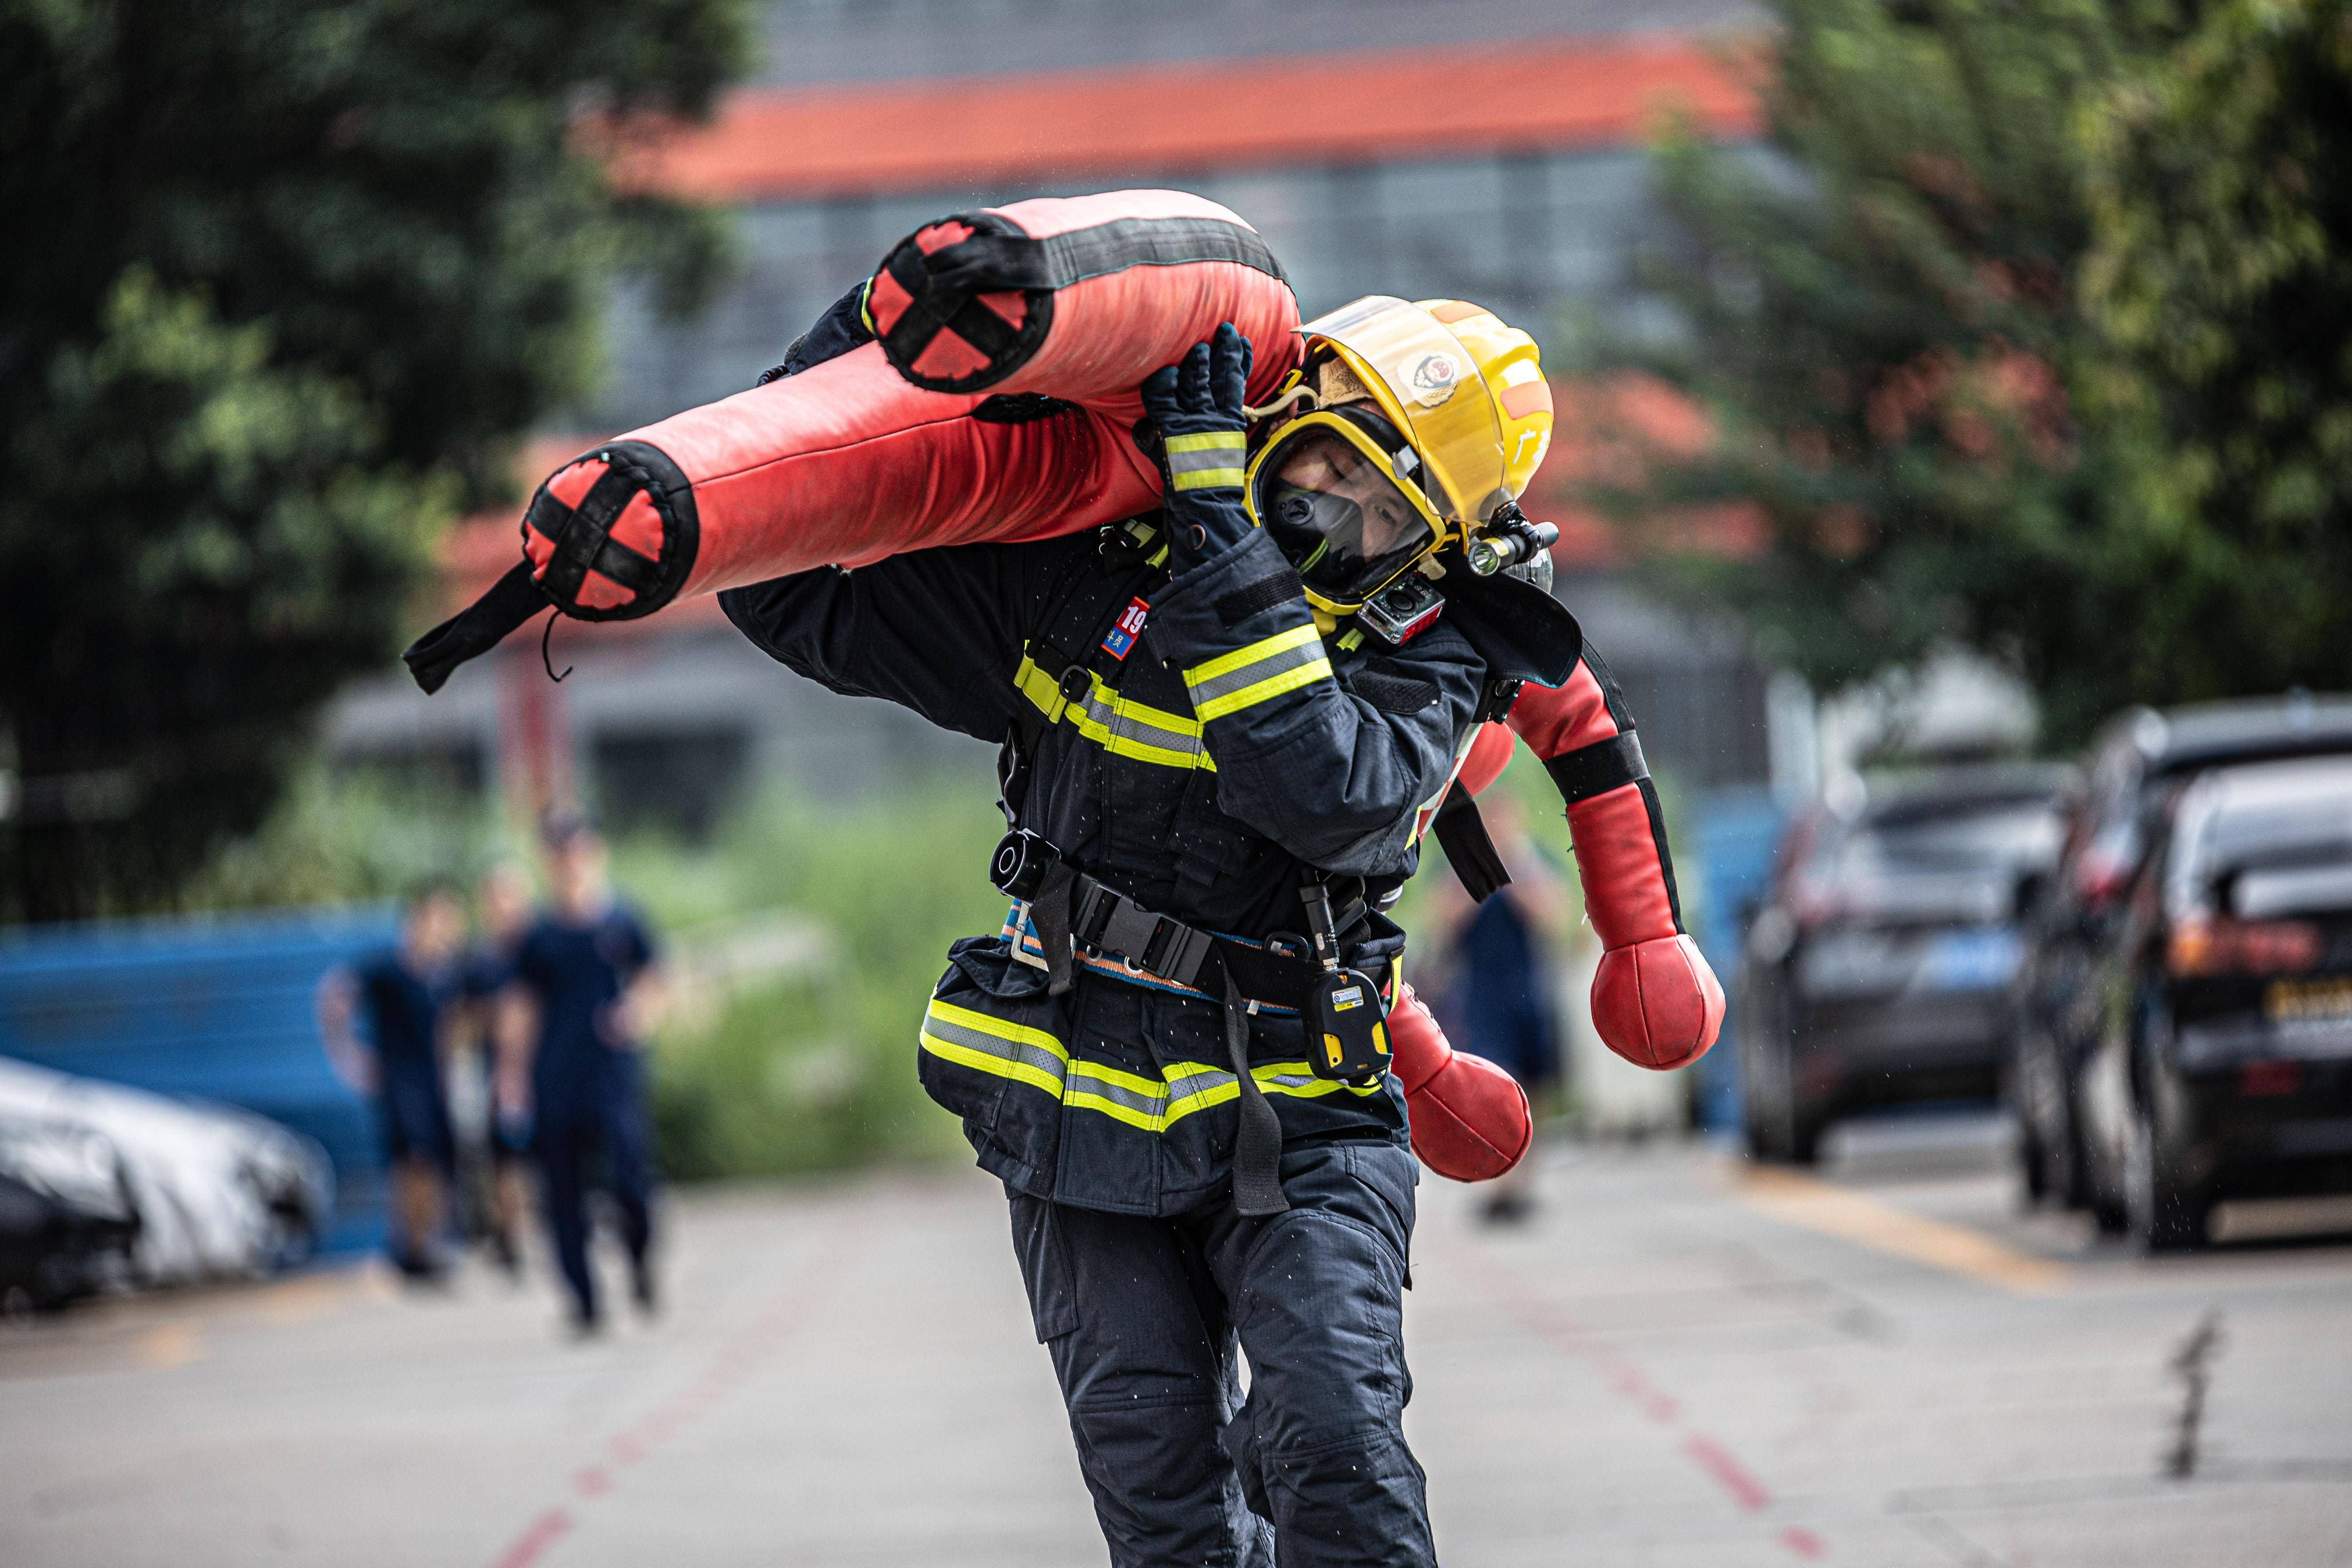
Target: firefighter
x=1225, y=726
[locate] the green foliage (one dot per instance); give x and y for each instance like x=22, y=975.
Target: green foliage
x=816, y=1068
x=344, y=840
x=296, y=276
x=2220, y=181
x=1885, y=326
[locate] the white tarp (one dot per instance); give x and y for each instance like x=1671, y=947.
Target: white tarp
x=220, y=1193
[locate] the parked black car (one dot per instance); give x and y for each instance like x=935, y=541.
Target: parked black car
x=1876, y=971
x=2224, y=1067
x=2070, y=917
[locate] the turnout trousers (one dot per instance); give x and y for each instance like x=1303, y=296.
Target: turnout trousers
x=1144, y=1316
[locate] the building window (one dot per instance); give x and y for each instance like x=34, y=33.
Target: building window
x=679, y=782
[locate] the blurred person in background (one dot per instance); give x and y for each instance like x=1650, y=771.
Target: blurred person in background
x=502, y=915
x=573, y=1019
x=385, y=1022
x=1496, y=982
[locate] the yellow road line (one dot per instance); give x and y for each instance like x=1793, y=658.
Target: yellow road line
x=1864, y=1221
x=173, y=1344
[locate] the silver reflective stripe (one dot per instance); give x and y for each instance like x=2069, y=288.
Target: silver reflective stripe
x=997, y=1045
x=1133, y=721
x=1209, y=461
x=1084, y=1080
x=1207, y=695
x=1188, y=1080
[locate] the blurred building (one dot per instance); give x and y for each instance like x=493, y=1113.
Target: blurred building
x=1483, y=148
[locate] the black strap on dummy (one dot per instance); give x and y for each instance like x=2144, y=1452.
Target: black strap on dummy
x=1599, y=768
x=1462, y=834
x=475, y=630
x=943, y=287
x=1258, y=1138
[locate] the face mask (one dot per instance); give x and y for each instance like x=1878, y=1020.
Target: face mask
x=1337, y=511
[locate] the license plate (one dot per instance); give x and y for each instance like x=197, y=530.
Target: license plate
x=1970, y=960
x=2326, y=1001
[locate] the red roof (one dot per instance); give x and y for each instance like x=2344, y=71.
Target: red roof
x=776, y=143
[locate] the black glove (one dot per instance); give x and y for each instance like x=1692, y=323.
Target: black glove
x=1198, y=407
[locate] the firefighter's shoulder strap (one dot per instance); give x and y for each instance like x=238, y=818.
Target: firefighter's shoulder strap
x=1460, y=832
x=1458, y=828
x=1071, y=645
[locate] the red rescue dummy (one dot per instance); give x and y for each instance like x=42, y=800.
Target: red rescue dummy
x=895, y=445
x=1654, y=1001
x=1470, y=1119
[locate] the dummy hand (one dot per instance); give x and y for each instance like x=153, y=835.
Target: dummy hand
x=1657, y=1003
x=1198, y=407
x=1469, y=1118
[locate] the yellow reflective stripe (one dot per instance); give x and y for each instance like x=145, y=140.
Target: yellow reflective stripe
x=1004, y=1029
x=1149, y=1105
x=1112, y=721
x=981, y=1061
x=1272, y=687
x=943, y=1021
x=1208, y=479
x=1203, y=1099
x=1151, y=1086
x=1209, y=461
x=1091, y=724
x=1264, y=669
x=1225, y=663
x=1208, y=441
x=1297, y=1081
x=1044, y=692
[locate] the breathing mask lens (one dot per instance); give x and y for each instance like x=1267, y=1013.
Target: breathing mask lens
x=1338, y=516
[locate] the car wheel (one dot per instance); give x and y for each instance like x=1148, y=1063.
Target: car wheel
x=2067, y=1165
x=2165, y=1213
x=2033, y=1165
x=1805, y=1130
x=1764, y=1093
x=1780, y=1128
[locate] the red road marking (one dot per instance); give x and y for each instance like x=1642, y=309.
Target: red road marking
x=536, y=1538
x=1804, y=1542
x=737, y=1360
x=1629, y=1383
x=1728, y=1472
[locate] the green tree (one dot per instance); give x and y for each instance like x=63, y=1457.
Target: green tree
x=2220, y=184
x=1884, y=325
x=294, y=276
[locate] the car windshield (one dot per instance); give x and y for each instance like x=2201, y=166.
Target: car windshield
x=1963, y=837
x=2252, y=831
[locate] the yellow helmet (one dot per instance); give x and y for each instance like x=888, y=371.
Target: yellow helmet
x=1463, y=419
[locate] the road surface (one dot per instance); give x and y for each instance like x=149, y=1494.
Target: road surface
x=1678, y=1363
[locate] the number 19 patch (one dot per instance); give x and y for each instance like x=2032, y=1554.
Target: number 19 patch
x=1125, y=629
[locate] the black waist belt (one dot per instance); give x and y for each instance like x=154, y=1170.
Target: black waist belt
x=1069, y=907
x=1107, y=921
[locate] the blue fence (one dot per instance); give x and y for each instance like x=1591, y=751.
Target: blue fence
x=217, y=1009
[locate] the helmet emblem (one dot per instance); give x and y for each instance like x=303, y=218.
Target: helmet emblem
x=1432, y=378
